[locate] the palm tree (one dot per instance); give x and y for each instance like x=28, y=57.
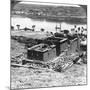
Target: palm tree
x=18, y=26
x=33, y=27
x=12, y=27
x=75, y=26
x=56, y=28
x=42, y=30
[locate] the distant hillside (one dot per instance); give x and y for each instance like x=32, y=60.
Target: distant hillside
x=53, y=10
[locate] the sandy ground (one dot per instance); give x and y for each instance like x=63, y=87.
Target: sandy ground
x=17, y=48
x=35, y=78
x=30, y=34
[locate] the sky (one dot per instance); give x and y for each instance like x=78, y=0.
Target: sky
x=38, y=3
x=83, y=2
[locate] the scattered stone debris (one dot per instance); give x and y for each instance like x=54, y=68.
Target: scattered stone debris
x=25, y=72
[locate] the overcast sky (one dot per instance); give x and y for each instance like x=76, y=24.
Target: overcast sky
x=38, y=3
x=83, y=2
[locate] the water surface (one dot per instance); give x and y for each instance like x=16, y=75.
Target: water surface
x=47, y=25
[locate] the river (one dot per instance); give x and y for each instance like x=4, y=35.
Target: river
x=47, y=25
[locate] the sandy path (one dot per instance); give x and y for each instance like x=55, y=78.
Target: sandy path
x=32, y=78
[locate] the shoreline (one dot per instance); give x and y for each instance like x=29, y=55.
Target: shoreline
x=67, y=19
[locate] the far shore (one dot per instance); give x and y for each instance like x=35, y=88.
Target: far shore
x=77, y=20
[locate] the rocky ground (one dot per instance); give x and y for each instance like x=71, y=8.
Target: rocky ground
x=35, y=78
